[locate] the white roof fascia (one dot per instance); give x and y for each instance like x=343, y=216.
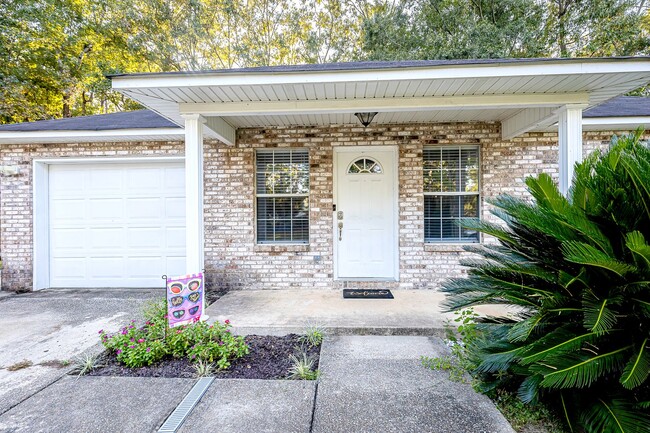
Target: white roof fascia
x=430, y=103
x=605, y=124
x=615, y=123
x=11, y=137
x=542, y=68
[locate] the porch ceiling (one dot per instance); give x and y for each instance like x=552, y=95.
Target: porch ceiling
x=523, y=94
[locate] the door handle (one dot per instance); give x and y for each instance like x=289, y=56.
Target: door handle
x=340, y=230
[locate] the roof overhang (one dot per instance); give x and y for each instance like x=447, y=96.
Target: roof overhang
x=91, y=136
x=523, y=95
x=608, y=124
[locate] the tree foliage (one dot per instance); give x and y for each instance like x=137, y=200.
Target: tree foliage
x=578, y=271
x=56, y=53
x=456, y=29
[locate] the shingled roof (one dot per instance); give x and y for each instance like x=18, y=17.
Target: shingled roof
x=139, y=119
x=622, y=106
x=376, y=65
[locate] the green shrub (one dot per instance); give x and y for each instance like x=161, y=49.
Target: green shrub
x=140, y=346
x=313, y=336
x=302, y=367
x=134, y=346
x=578, y=270
x=212, y=343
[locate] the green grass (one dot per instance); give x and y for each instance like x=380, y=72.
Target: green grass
x=521, y=415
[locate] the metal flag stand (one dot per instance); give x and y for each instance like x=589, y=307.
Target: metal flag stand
x=164, y=277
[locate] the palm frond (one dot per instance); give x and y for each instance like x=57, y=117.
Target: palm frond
x=520, y=331
x=615, y=416
x=638, y=367
x=644, y=306
x=638, y=173
x=635, y=241
x=578, y=370
x=555, y=343
x=498, y=357
x=598, y=316
x=566, y=280
x=585, y=254
x=565, y=412
x=529, y=389
x=546, y=193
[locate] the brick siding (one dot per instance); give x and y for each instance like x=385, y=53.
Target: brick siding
x=233, y=258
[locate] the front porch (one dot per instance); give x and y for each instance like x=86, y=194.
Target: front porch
x=509, y=115
x=279, y=312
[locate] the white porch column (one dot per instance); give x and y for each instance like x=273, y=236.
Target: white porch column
x=194, y=192
x=570, y=142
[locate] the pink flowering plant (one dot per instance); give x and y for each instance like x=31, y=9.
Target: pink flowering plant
x=138, y=346
x=135, y=346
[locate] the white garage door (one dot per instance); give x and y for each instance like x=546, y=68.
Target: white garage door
x=116, y=225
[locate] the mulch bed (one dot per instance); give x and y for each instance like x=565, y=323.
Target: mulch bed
x=268, y=359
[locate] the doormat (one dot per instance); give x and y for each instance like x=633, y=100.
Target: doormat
x=367, y=294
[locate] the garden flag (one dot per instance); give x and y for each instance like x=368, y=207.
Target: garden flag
x=185, y=300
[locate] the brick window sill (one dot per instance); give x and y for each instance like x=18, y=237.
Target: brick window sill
x=275, y=248
x=445, y=248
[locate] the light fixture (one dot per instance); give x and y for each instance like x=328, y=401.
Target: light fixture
x=365, y=118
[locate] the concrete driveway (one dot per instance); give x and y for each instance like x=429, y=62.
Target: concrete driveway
x=46, y=329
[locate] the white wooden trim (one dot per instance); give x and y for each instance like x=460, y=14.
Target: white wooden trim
x=569, y=143
x=355, y=149
x=41, y=205
x=109, y=134
x=527, y=120
x=247, y=78
x=221, y=130
x=194, y=230
x=109, y=160
x=431, y=103
x=41, y=223
x=614, y=123
x=631, y=121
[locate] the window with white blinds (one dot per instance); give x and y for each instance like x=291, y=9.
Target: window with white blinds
x=282, y=196
x=451, y=192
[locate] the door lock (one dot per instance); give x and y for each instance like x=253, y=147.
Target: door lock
x=339, y=215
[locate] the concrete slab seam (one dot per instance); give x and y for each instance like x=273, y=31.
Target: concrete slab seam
x=313, y=408
x=37, y=391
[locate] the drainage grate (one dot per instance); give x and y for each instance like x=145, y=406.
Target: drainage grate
x=181, y=412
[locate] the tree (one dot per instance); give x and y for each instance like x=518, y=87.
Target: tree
x=56, y=54
x=452, y=29
x=595, y=28
x=446, y=29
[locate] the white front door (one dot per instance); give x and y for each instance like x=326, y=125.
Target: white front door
x=365, y=220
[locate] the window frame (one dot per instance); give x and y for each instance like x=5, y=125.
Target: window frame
x=477, y=194
x=282, y=195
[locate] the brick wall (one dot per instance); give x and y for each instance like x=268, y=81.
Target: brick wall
x=234, y=259
x=16, y=241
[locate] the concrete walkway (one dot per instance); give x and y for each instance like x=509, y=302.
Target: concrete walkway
x=368, y=384
x=377, y=384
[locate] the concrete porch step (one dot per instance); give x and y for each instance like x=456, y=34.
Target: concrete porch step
x=279, y=312
x=412, y=312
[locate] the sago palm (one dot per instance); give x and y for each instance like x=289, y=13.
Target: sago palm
x=578, y=271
